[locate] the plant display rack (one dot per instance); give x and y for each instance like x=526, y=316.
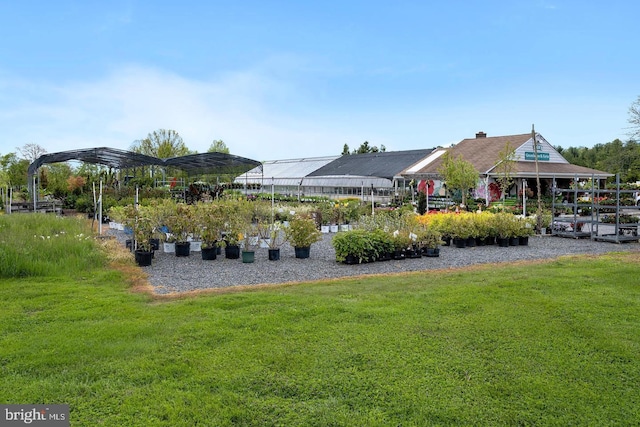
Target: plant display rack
x=603, y=223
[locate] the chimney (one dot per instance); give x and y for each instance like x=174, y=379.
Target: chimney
x=481, y=135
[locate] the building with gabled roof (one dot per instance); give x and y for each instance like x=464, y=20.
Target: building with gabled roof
x=484, y=153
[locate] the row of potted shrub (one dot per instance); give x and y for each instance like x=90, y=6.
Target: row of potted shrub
x=227, y=223
x=385, y=236
x=483, y=225
x=401, y=235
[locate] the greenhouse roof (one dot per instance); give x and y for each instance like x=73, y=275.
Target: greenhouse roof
x=291, y=169
x=387, y=165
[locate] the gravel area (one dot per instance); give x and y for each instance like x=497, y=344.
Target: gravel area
x=170, y=274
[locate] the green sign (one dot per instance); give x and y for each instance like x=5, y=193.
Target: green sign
x=530, y=155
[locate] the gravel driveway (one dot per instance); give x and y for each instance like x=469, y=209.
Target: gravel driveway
x=171, y=274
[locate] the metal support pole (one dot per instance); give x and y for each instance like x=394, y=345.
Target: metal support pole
x=426, y=188
x=100, y=211
x=524, y=197
x=372, y=203
x=35, y=193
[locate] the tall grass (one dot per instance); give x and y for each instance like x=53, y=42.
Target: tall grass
x=39, y=245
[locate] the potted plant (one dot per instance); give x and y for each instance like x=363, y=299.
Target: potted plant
x=301, y=234
x=117, y=216
x=236, y=215
x=383, y=244
x=355, y=246
x=482, y=222
x=139, y=221
x=430, y=240
x=250, y=241
x=209, y=217
x=443, y=222
x=526, y=228
x=502, y=224
x=325, y=212
x=461, y=230
x=180, y=224
x=275, y=237
x=401, y=242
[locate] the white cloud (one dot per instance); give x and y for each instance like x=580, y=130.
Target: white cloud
x=131, y=102
x=267, y=118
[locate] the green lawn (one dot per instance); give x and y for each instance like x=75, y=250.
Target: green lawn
x=554, y=343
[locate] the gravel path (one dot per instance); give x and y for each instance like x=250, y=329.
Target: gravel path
x=170, y=274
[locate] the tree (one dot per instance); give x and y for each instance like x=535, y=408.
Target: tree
x=634, y=118
x=345, y=150
x=31, y=152
x=459, y=174
x=218, y=146
x=57, y=174
x=161, y=143
x=505, y=168
x=15, y=170
x=366, y=148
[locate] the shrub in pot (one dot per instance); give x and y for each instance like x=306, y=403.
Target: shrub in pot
x=301, y=234
x=138, y=219
x=430, y=240
x=275, y=237
x=383, y=244
x=355, y=246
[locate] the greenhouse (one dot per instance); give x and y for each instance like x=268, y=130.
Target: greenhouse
x=368, y=175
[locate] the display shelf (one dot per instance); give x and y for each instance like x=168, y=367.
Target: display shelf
x=569, y=221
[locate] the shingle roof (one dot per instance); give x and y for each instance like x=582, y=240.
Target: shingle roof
x=382, y=164
x=484, y=154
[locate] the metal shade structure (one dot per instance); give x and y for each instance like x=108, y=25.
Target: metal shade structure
x=206, y=163
x=192, y=164
x=120, y=159
x=112, y=157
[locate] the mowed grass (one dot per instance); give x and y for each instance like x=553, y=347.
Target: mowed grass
x=553, y=343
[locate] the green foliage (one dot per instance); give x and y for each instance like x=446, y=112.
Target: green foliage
x=615, y=157
x=162, y=143
x=358, y=243
x=181, y=222
x=422, y=203
x=459, y=174
x=302, y=232
x=428, y=236
x=142, y=222
x=365, y=148
x=82, y=203
x=218, y=146
x=39, y=245
x=14, y=170
x=506, y=168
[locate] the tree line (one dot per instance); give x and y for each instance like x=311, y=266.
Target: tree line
x=614, y=157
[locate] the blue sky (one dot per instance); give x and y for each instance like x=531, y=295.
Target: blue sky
x=289, y=79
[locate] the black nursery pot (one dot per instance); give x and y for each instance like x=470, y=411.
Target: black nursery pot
x=302, y=252
x=232, y=251
x=274, y=254
x=210, y=253
x=183, y=248
x=143, y=258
